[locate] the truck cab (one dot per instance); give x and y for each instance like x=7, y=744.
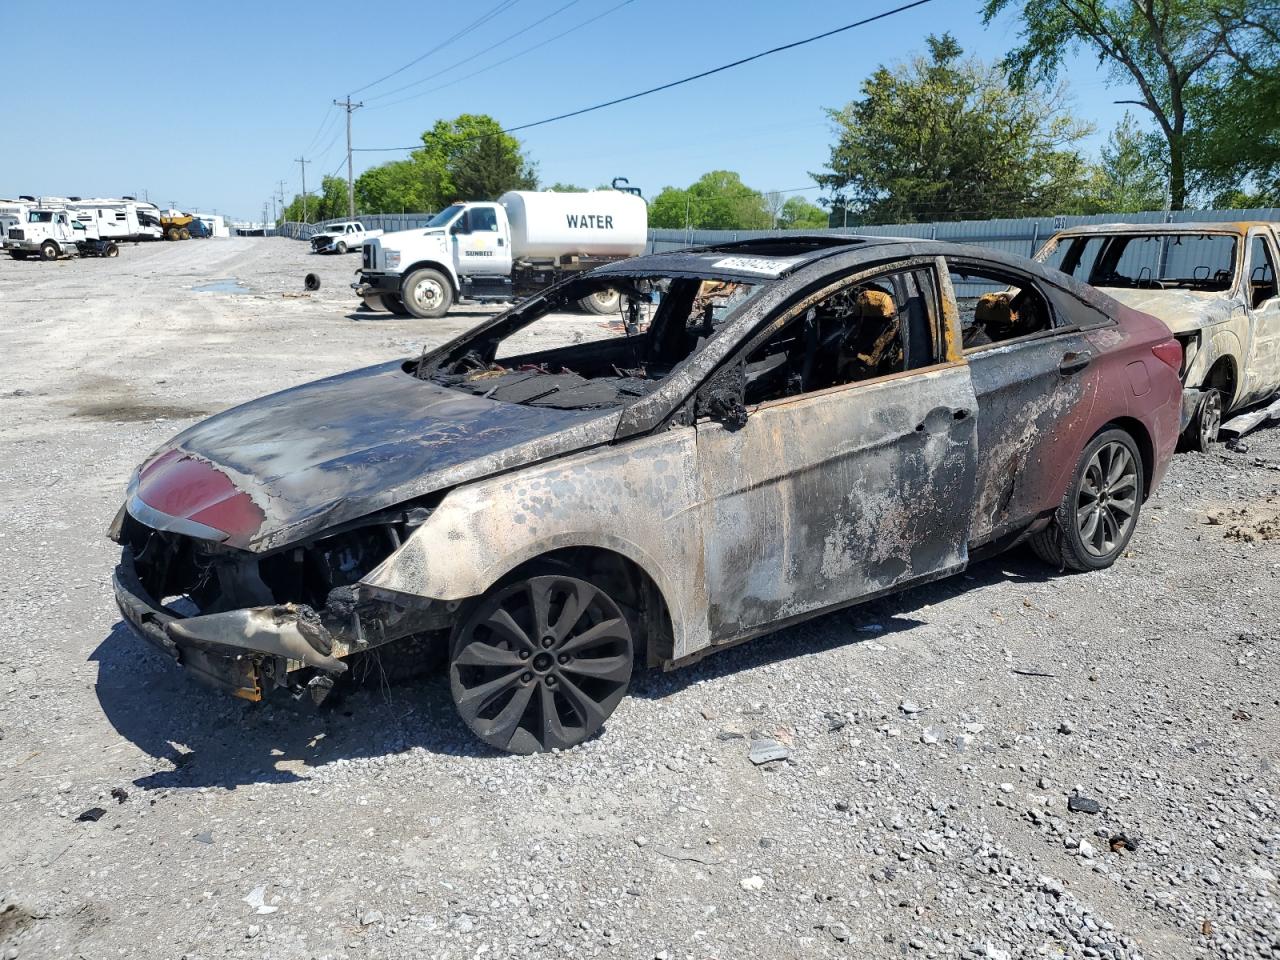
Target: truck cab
x=53, y=233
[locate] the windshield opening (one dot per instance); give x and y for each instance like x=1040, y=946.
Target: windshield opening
x=1149, y=261
x=442, y=218
x=40, y=216
x=548, y=354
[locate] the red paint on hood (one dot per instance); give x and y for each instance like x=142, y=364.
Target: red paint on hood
x=180, y=485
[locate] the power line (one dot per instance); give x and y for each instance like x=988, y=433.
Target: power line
x=329, y=114
x=493, y=46
x=478, y=22
x=688, y=79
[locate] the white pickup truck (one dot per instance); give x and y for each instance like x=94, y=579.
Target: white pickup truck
x=342, y=237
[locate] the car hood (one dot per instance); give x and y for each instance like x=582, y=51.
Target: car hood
x=1183, y=311
x=281, y=468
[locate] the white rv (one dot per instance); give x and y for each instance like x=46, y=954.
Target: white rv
x=118, y=219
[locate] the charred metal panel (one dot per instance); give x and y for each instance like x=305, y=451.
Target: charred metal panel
x=343, y=447
x=1031, y=417
x=823, y=499
x=639, y=501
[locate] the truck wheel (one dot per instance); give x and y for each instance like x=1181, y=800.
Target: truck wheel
x=602, y=302
x=341, y=247
x=1202, y=431
x=171, y=233
x=111, y=251
x=184, y=234
x=48, y=250
x=427, y=294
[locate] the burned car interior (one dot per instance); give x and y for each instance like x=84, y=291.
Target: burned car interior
x=686, y=313
x=1005, y=308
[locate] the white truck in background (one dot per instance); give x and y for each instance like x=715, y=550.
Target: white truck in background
x=501, y=251
x=52, y=232
x=342, y=237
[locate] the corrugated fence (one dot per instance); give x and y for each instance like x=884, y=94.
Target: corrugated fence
x=1022, y=237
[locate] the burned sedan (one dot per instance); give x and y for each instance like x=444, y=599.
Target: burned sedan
x=775, y=429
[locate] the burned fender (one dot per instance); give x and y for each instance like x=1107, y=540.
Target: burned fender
x=639, y=501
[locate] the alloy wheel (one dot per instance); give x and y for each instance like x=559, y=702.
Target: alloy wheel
x=541, y=664
x=1107, y=500
x=1210, y=419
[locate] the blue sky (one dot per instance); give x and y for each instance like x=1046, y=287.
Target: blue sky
x=207, y=105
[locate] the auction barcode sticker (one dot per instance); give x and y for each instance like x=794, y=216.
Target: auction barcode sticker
x=771, y=266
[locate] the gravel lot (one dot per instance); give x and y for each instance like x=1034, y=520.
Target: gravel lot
x=936, y=738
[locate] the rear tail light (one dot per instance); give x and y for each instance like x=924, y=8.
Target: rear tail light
x=1170, y=352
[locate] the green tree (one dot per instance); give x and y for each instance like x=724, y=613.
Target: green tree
x=329, y=204
x=466, y=158
x=717, y=200
x=1162, y=46
x=567, y=188
x=945, y=137
x=799, y=214
x=1235, y=149
x=1130, y=175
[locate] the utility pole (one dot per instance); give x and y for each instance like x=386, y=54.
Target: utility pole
x=264, y=218
x=351, y=184
x=304, y=188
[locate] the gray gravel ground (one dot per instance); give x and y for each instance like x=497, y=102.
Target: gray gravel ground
x=936, y=738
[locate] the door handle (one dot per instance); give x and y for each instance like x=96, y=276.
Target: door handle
x=1074, y=362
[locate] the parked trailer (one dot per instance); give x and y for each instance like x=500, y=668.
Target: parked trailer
x=501, y=251
x=120, y=219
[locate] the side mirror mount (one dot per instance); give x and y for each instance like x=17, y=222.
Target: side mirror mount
x=722, y=398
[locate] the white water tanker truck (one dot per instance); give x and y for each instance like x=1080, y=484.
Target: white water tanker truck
x=502, y=251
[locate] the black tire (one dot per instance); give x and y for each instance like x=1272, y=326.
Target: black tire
x=48, y=250
x=540, y=662
x=602, y=303
x=341, y=247
x=1089, y=529
x=427, y=294
x=1202, y=432
x=111, y=251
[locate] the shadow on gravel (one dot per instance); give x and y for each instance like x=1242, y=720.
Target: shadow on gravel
x=859, y=624
x=364, y=314
x=209, y=739
x=205, y=738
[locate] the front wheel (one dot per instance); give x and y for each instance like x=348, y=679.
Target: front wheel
x=540, y=663
x=427, y=294
x=341, y=247
x=48, y=250
x=1202, y=431
x=1099, y=511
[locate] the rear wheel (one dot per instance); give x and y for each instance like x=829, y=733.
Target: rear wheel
x=427, y=294
x=1202, y=431
x=540, y=663
x=602, y=302
x=48, y=250
x=1099, y=511
x=111, y=251
x=184, y=234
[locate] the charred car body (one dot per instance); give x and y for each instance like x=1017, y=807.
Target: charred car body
x=1213, y=284
x=781, y=428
